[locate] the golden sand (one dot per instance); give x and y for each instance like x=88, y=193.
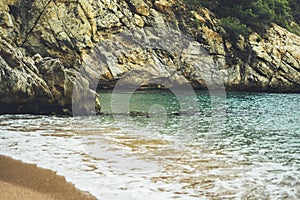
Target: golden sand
x=21, y=181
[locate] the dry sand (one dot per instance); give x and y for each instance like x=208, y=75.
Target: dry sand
x=20, y=181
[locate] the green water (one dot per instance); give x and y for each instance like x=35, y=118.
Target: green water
x=261, y=135
x=261, y=126
x=167, y=146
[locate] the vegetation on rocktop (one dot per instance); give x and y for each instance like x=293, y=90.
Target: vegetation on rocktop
x=243, y=17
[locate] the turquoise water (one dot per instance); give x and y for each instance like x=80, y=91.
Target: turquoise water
x=159, y=145
x=261, y=126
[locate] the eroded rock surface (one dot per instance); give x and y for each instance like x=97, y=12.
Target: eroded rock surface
x=80, y=40
x=39, y=85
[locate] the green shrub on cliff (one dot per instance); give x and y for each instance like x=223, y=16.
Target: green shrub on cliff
x=234, y=27
x=295, y=5
x=242, y=17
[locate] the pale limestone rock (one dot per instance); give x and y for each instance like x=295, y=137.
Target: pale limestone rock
x=140, y=7
x=6, y=20
x=139, y=20
x=68, y=34
x=198, y=17
x=158, y=19
x=38, y=85
x=215, y=41
x=277, y=59
x=164, y=5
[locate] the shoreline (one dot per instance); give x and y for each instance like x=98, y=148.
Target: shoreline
x=24, y=181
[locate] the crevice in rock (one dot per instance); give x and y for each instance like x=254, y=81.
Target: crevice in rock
x=66, y=29
x=290, y=64
x=271, y=64
x=272, y=76
x=35, y=23
x=89, y=19
x=130, y=6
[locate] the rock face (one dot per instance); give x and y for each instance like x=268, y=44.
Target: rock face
x=32, y=83
x=38, y=85
x=271, y=64
x=50, y=46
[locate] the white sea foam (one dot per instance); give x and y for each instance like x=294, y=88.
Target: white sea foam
x=256, y=157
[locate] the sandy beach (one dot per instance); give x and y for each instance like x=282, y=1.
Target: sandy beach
x=28, y=182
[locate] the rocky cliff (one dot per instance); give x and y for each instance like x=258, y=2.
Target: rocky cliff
x=49, y=46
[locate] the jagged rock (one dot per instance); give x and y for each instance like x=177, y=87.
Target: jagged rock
x=164, y=5
x=140, y=7
x=38, y=85
x=277, y=59
x=214, y=41
x=80, y=46
x=139, y=20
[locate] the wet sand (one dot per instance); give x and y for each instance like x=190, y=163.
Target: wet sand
x=28, y=182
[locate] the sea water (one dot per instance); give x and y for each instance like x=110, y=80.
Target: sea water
x=159, y=150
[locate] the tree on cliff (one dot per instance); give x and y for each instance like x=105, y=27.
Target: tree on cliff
x=242, y=17
x=295, y=5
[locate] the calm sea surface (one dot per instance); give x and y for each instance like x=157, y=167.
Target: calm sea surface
x=159, y=145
